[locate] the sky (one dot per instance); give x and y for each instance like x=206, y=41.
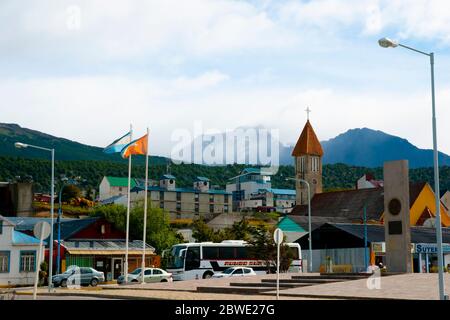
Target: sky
x=84, y=70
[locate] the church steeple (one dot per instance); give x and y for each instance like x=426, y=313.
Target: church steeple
x=308, y=154
x=307, y=143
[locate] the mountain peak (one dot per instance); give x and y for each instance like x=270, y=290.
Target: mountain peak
x=371, y=148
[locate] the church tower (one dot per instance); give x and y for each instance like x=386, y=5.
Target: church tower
x=308, y=154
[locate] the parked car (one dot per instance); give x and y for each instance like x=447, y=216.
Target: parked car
x=78, y=276
x=150, y=275
x=235, y=272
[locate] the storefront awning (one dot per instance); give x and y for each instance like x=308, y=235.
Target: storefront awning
x=107, y=252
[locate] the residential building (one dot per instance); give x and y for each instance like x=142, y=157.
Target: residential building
x=18, y=255
x=368, y=181
x=282, y=200
x=114, y=187
x=252, y=191
x=92, y=242
x=198, y=201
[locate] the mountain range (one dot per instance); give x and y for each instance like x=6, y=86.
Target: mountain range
x=64, y=149
x=358, y=147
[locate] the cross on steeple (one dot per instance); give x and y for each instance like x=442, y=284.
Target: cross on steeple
x=308, y=111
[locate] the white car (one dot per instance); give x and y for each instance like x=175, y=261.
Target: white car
x=235, y=272
x=150, y=275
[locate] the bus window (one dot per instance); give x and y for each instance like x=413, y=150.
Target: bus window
x=242, y=253
x=226, y=253
x=192, y=258
x=211, y=253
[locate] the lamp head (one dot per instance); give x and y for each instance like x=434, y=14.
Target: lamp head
x=20, y=145
x=387, y=43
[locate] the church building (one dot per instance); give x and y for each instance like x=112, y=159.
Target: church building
x=350, y=205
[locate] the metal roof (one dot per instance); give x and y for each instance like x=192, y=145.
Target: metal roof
x=19, y=238
x=106, y=245
x=350, y=203
x=68, y=226
x=111, y=200
x=167, y=176
x=307, y=143
x=375, y=233
x=120, y=182
x=201, y=179
x=284, y=192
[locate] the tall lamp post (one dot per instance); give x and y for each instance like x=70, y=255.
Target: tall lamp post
x=309, y=219
x=21, y=145
x=64, y=182
x=58, y=257
x=388, y=43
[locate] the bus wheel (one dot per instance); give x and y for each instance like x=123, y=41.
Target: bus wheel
x=207, y=275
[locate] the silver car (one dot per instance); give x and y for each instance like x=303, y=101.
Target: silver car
x=79, y=276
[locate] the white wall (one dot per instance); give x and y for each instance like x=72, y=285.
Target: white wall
x=14, y=276
x=104, y=189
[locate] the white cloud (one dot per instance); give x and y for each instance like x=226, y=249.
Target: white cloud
x=128, y=29
x=203, y=81
x=98, y=109
x=417, y=20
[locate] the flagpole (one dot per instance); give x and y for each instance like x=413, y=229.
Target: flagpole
x=144, y=236
x=128, y=212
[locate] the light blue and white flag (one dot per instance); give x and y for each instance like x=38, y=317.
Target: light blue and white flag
x=118, y=144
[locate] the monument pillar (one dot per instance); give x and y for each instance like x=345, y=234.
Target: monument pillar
x=396, y=216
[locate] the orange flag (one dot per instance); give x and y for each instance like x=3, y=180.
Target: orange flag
x=138, y=146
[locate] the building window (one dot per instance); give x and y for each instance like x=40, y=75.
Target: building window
x=225, y=207
x=120, y=189
x=27, y=261
x=211, y=208
x=4, y=261
x=315, y=161
x=302, y=164
x=197, y=207
x=161, y=195
x=196, y=196
x=161, y=204
x=225, y=198
x=211, y=198
x=178, y=206
x=178, y=196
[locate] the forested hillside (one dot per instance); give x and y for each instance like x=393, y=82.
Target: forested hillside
x=336, y=176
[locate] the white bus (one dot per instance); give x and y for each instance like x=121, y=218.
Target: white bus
x=187, y=261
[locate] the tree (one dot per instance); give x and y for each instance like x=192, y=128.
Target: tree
x=159, y=232
x=263, y=247
x=202, y=232
x=70, y=192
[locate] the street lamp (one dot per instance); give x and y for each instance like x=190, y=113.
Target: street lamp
x=309, y=219
x=58, y=257
x=64, y=182
x=21, y=145
x=388, y=43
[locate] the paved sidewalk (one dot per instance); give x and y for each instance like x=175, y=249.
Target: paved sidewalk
x=417, y=286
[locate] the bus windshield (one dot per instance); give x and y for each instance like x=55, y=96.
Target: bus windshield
x=175, y=261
